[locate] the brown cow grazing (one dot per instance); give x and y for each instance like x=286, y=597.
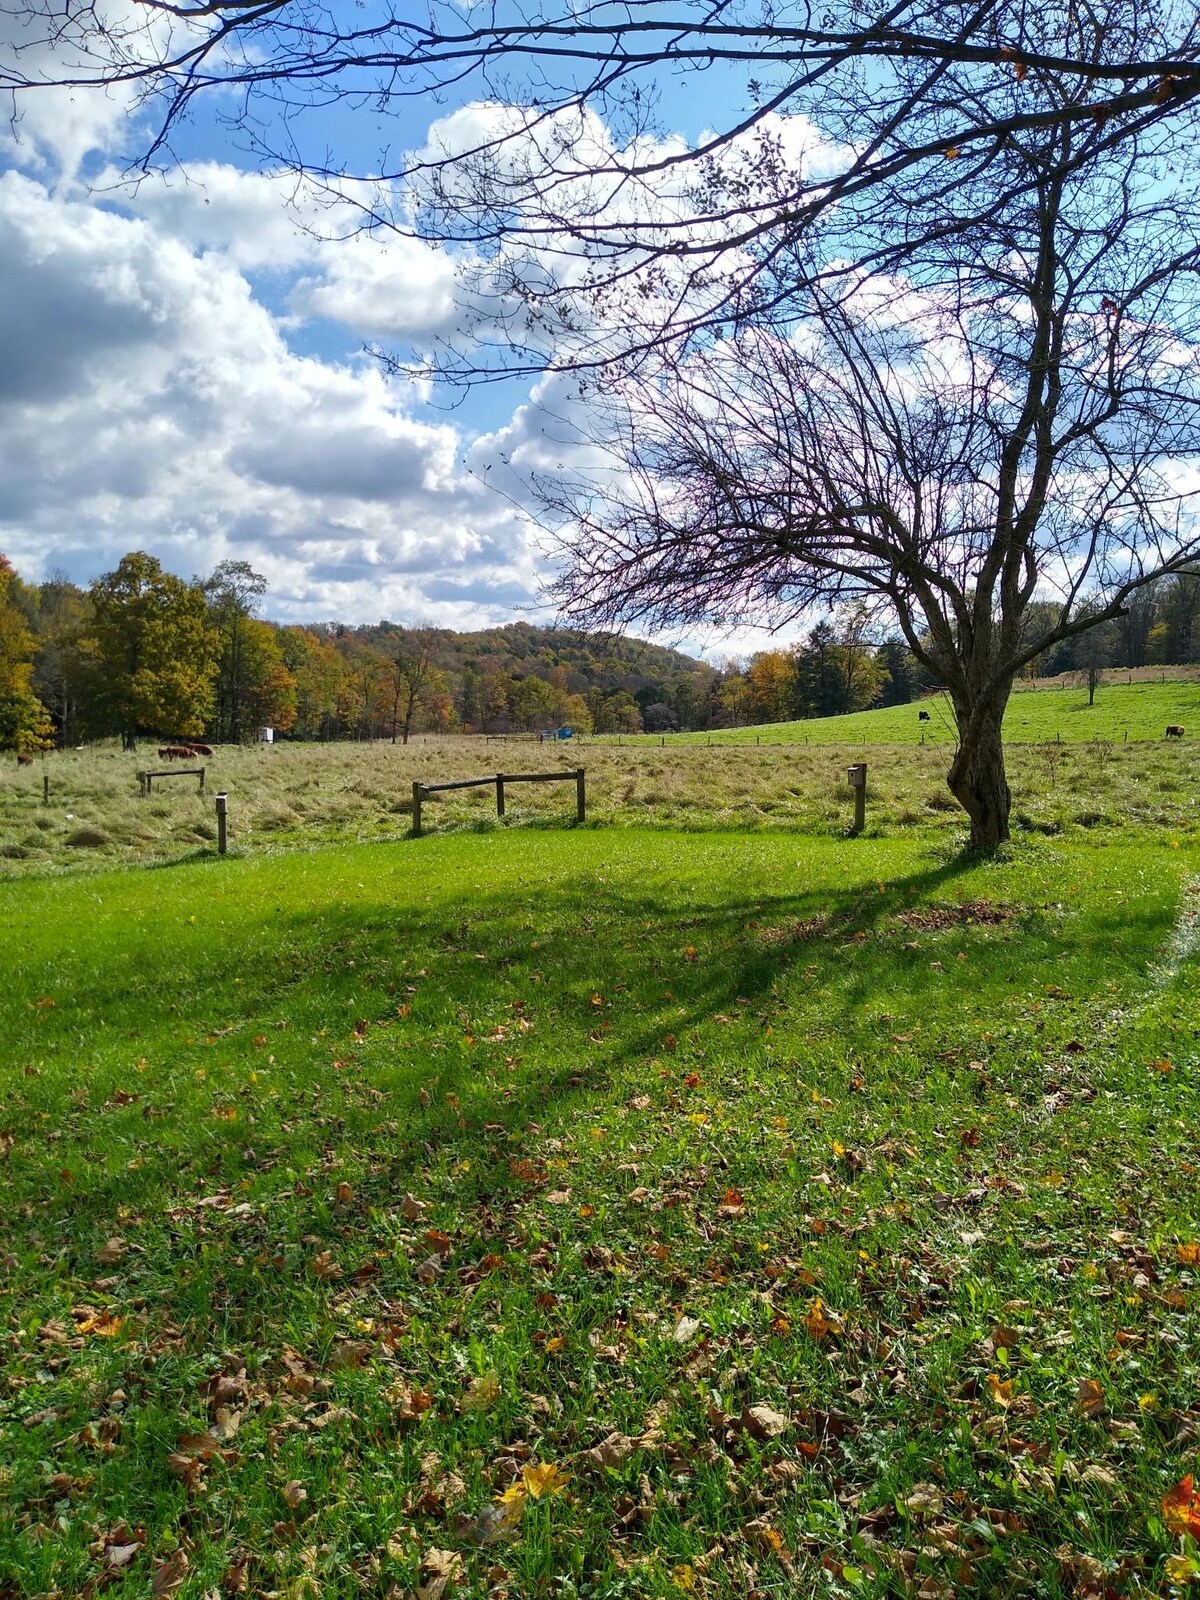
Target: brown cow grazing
x=922, y=716
x=1175, y=731
x=200, y=750
x=24, y=761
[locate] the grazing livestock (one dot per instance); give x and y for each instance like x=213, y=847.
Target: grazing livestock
x=922, y=716
x=175, y=752
x=24, y=761
x=200, y=749
x=1174, y=731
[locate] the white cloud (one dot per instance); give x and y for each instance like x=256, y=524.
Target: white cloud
x=148, y=400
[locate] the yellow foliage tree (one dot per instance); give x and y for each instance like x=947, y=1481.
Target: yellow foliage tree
x=25, y=724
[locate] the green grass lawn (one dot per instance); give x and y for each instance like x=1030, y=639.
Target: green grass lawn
x=601, y=1213
x=1035, y=716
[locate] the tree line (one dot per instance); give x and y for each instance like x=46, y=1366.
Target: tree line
x=141, y=651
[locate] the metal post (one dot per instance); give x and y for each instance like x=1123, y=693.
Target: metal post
x=222, y=822
x=416, y=809
x=45, y=788
x=580, y=798
x=499, y=794
x=202, y=780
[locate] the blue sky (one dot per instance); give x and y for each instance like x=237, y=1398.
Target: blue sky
x=182, y=370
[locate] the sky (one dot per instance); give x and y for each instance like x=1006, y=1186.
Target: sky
x=182, y=371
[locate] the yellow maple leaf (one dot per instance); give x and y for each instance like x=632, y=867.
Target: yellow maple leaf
x=104, y=1325
x=1000, y=1390
x=541, y=1482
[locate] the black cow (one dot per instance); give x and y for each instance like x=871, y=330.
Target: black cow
x=922, y=716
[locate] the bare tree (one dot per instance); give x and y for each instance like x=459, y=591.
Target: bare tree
x=1005, y=424
x=561, y=187
x=411, y=657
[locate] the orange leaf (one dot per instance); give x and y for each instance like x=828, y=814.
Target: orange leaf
x=819, y=1323
x=1181, y=1508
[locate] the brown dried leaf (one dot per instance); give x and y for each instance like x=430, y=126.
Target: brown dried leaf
x=169, y=1576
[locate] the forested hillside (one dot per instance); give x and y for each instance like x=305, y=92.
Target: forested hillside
x=142, y=651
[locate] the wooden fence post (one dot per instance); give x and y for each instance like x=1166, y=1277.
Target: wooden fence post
x=416, y=810
x=580, y=797
x=201, y=780
x=222, y=823
x=45, y=788
x=857, y=775
x=499, y=794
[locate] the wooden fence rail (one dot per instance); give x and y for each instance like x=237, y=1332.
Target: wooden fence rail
x=146, y=779
x=422, y=791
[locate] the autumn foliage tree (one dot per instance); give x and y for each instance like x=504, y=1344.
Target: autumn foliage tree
x=155, y=653
x=25, y=724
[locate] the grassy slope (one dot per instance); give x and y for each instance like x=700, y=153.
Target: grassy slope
x=1141, y=710
x=633, y=1079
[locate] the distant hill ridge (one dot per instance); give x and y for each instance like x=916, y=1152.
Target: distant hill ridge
x=607, y=661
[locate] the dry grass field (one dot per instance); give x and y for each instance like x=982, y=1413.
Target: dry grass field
x=302, y=796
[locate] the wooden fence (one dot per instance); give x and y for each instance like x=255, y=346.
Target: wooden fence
x=422, y=791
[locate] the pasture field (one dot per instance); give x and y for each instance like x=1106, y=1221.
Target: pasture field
x=303, y=796
x=603, y=1213
x=1137, y=710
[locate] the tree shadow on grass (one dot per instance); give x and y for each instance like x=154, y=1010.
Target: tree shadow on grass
x=602, y=973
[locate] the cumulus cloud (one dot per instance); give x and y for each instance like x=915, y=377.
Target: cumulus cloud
x=147, y=399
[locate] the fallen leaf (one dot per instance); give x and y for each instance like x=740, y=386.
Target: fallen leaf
x=1181, y=1508
x=102, y=1323
x=324, y=1266
x=120, y=1555
x=169, y=1575
x=732, y=1204
x=925, y=1500
x=1090, y=1398
x=612, y=1451
x=544, y=1481
x=294, y=1493
x=438, y=1569
x=764, y=1422
x=110, y=1252
x=686, y=1330
x=412, y=1208
x=1000, y=1390
x=819, y=1322
x=483, y=1392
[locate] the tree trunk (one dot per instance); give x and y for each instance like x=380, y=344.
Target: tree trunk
x=976, y=777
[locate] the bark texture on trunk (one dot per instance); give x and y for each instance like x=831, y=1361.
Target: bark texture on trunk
x=977, y=778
